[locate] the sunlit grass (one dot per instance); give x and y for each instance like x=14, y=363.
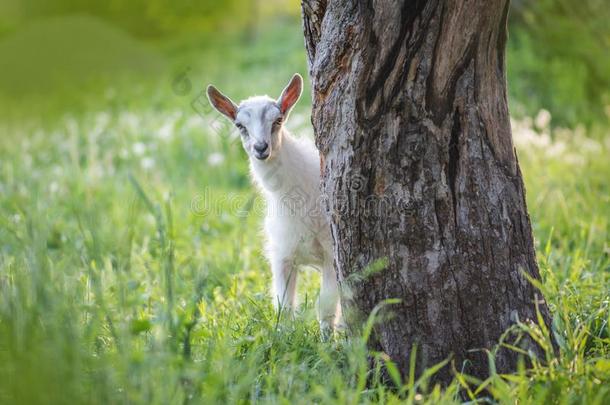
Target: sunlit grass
x=131, y=265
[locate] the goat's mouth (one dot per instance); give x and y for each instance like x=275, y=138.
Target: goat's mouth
x=262, y=155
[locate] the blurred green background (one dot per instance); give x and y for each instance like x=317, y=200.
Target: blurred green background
x=558, y=53
x=131, y=252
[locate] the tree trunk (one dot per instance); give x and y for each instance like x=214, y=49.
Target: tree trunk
x=418, y=169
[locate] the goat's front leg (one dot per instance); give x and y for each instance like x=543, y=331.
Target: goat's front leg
x=284, y=283
x=328, y=303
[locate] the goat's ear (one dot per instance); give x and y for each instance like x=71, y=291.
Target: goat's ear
x=222, y=103
x=291, y=94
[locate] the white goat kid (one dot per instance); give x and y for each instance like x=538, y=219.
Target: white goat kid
x=288, y=172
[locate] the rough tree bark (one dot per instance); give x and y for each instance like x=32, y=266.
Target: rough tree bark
x=411, y=118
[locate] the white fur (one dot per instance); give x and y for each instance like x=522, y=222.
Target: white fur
x=297, y=231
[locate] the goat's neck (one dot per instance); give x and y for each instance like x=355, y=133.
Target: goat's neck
x=281, y=171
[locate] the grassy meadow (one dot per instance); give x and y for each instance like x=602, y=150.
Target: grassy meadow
x=131, y=264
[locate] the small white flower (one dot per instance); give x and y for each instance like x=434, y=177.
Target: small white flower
x=166, y=131
x=149, y=219
x=543, y=119
x=139, y=148
x=53, y=187
x=215, y=159
x=147, y=163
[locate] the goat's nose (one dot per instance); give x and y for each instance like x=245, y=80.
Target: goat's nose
x=260, y=147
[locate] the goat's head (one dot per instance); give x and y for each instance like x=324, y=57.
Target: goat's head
x=259, y=119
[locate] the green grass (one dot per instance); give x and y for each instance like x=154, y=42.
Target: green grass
x=131, y=265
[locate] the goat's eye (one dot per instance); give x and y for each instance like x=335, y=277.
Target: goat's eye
x=242, y=129
x=277, y=123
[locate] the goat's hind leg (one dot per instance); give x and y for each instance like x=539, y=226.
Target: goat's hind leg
x=328, y=303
